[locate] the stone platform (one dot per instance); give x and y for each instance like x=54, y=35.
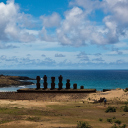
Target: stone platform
x=41, y=90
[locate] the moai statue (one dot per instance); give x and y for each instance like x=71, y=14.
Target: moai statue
x=68, y=84
x=38, y=82
x=74, y=86
x=60, y=84
x=81, y=87
x=45, y=82
x=53, y=83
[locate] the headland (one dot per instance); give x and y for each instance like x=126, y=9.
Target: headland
x=7, y=81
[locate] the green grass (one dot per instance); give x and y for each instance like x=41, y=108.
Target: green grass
x=6, y=110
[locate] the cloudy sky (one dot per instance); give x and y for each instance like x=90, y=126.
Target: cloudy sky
x=63, y=34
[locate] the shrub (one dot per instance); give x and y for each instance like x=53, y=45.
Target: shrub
x=123, y=126
x=81, y=124
x=109, y=120
x=126, y=103
x=100, y=119
x=118, y=122
x=114, y=126
x=125, y=90
x=89, y=98
x=110, y=109
x=114, y=117
x=125, y=109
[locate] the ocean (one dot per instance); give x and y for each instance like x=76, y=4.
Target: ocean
x=98, y=79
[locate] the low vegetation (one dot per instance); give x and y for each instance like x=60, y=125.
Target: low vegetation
x=110, y=109
x=100, y=119
x=118, y=122
x=125, y=108
x=81, y=124
x=109, y=120
x=125, y=90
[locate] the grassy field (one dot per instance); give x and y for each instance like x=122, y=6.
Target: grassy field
x=41, y=114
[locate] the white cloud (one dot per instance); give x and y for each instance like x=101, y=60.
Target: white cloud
x=43, y=55
x=83, y=56
x=6, y=46
x=76, y=29
x=59, y=55
x=98, y=59
x=52, y=20
x=33, y=32
x=117, y=20
x=44, y=36
x=121, y=44
x=10, y=23
x=3, y=57
x=69, y=31
x=88, y=5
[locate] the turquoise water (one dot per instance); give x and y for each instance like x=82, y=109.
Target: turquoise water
x=99, y=79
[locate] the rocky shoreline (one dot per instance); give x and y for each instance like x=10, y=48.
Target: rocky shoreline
x=7, y=81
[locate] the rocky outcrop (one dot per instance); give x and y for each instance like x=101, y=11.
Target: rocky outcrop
x=7, y=81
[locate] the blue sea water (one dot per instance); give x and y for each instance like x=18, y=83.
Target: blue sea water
x=98, y=79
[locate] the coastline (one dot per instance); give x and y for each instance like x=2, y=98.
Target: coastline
x=8, y=81
x=98, y=79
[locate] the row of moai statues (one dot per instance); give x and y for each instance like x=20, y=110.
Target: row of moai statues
x=60, y=84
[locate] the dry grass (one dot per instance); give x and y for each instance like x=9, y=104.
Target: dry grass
x=60, y=110
x=56, y=114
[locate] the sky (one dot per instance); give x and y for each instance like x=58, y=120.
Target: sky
x=63, y=34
